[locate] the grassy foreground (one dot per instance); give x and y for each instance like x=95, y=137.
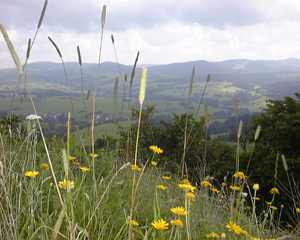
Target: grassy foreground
x=87, y=204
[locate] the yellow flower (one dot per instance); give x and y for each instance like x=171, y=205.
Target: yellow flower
x=31, y=173
x=215, y=190
x=84, y=169
x=156, y=149
x=256, y=187
x=153, y=163
x=177, y=223
x=166, y=177
x=66, y=184
x=160, y=224
x=44, y=166
x=191, y=196
x=240, y=175
x=206, y=184
x=161, y=187
x=72, y=158
x=274, y=191
x=135, y=167
x=186, y=185
x=180, y=211
x=235, y=188
x=297, y=210
x=93, y=155
x=213, y=235
x=235, y=228
x=133, y=223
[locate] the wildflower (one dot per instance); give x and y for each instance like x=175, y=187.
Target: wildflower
x=166, y=177
x=161, y=187
x=133, y=223
x=206, y=184
x=93, y=155
x=177, y=223
x=274, y=191
x=135, y=168
x=187, y=187
x=156, y=149
x=190, y=196
x=223, y=235
x=235, y=188
x=66, y=184
x=235, y=228
x=256, y=187
x=84, y=169
x=213, y=235
x=44, y=166
x=33, y=117
x=297, y=210
x=154, y=163
x=72, y=158
x=180, y=211
x=160, y=224
x=31, y=173
x=215, y=190
x=240, y=175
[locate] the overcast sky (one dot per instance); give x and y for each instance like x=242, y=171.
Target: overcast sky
x=164, y=31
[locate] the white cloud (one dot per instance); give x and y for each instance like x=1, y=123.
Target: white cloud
x=173, y=38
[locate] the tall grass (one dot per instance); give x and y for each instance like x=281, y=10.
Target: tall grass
x=60, y=191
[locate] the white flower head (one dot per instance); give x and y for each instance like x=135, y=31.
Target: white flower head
x=33, y=117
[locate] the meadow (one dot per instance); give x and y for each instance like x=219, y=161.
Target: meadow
x=64, y=188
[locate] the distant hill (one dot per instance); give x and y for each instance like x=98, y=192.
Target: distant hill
x=250, y=82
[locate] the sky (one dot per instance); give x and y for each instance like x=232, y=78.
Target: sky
x=164, y=31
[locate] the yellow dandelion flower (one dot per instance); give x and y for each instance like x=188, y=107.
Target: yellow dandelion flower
x=235, y=228
x=135, y=168
x=166, y=177
x=213, y=235
x=187, y=186
x=44, y=166
x=93, y=155
x=160, y=224
x=66, y=184
x=84, y=169
x=72, y=158
x=153, y=163
x=297, y=210
x=240, y=175
x=177, y=223
x=180, y=211
x=274, y=191
x=31, y=174
x=133, y=223
x=235, y=188
x=206, y=184
x=255, y=187
x=161, y=187
x=190, y=196
x=215, y=190
x=156, y=149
